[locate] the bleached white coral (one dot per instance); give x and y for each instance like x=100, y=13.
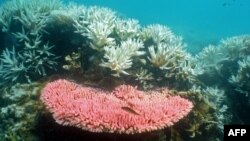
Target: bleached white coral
x=119, y=58
x=215, y=98
x=241, y=79
x=235, y=47
x=164, y=55
x=31, y=14
x=126, y=28
x=210, y=58
x=158, y=33
x=98, y=33
x=187, y=71
x=65, y=16
x=101, y=14
x=97, y=24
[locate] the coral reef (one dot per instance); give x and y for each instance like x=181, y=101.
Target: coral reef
x=30, y=56
x=227, y=66
x=31, y=14
x=19, y=108
x=46, y=40
x=215, y=99
x=126, y=49
x=221, y=61
x=33, y=59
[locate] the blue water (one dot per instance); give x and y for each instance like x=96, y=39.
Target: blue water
x=200, y=22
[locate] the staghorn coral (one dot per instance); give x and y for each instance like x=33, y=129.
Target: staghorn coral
x=12, y=67
x=38, y=56
x=170, y=62
x=188, y=72
x=158, y=33
x=230, y=49
x=97, y=24
x=235, y=47
x=226, y=65
x=164, y=56
x=33, y=59
x=210, y=58
x=126, y=28
x=221, y=61
x=31, y=14
x=119, y=58
x=26, y=21
x=162, y=49
x=215, y=98
x=241, y=79
x=126, y=111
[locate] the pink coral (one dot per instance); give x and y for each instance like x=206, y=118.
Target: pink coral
x=125, y=110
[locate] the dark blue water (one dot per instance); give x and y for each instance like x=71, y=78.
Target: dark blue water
x=200, y=22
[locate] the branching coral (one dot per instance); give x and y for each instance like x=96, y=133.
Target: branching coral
x=213, y=99
x=236, y=47
x=39, y=59
x=210, y=57
x=241, y=79
x=159, y=47
x=221, y=61
x=35, y=58
x=188, y=71
x=163, y=55
x=158, y=33
x=31, y=14
x=12, y=67
x=229, y=49
x=38, y=56
x=126, y=29
x=119, y=58
x=97, y=24
x=172, y=61
x=99, y=34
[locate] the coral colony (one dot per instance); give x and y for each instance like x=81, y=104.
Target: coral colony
x=98, y=72
x=124, y=110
